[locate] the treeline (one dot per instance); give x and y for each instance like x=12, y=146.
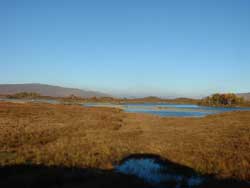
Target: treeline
x=225, y=99
x=24, y=95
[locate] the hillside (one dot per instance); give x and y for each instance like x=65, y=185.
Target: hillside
x=47, y=90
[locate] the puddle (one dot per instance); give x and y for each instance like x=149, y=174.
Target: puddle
x=158, y=174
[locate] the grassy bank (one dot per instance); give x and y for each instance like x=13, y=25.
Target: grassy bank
x=81, y=137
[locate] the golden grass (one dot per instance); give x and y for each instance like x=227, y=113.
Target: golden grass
x=100, y=137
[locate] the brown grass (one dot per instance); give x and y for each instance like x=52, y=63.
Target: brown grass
x=100, y=137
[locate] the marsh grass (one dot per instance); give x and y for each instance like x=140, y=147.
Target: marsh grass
x=75, y=136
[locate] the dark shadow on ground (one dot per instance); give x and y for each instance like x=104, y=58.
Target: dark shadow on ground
x=39, y=176
x=210, y=180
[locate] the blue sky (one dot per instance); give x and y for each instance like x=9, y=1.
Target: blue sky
x=128, y=47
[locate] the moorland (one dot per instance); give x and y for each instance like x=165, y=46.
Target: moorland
x=52, y=136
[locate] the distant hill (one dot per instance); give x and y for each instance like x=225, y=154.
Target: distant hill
x=246, y=96
x=47, y=90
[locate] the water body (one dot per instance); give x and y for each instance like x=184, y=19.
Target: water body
x=172, y=110
x=161, y=109
x=160, y=174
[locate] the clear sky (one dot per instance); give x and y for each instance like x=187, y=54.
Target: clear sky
x=128, y=47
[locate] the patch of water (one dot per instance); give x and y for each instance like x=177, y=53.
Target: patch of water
x=171, y=110
x=157, y=174
x=145, y=169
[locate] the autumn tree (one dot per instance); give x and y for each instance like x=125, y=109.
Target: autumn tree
x=225, y=99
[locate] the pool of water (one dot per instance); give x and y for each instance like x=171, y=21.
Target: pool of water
x=174, y=110
x=160, y=174
x=161, y=109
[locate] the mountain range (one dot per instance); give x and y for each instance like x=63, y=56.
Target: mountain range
x=58, y=91
x=48, y=90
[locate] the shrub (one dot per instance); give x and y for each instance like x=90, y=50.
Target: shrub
x=225, y=99
x=23, y=95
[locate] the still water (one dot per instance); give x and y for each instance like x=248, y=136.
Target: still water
x=174, y=110
x=161, y=109
x=160, y=174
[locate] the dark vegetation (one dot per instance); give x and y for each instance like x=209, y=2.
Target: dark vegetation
x=227, y=99
x=24, y=95
x=45, y=136
x=143, y=100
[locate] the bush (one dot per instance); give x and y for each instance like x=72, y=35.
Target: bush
x=225, y=99
x=23, y=95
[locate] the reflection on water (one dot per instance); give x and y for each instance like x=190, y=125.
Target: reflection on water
x=176, y=110
x=158, y=174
